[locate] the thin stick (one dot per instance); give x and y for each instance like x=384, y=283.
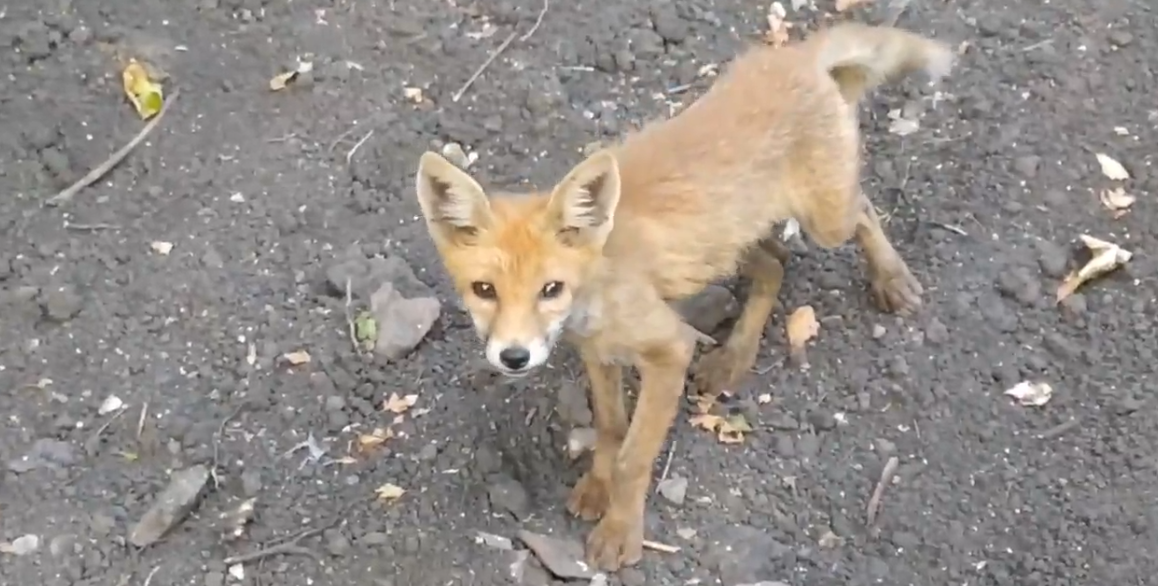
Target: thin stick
x=334, y=143
x=874, y=504
x=90, y=227
x=474, y=76
x=141, y=420
x=217, y=443
x=667, y=465
x=538, y=21
x=114, y=160
x=285, y=548
x=350, y=318
x=661, y=547
x=149, y=578
x=358, y=145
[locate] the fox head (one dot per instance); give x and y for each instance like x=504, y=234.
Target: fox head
x=520, y=261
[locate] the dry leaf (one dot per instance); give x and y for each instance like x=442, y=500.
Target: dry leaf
x=399, y=405
x=802, y=327
x=369, y=441
x=389, y=492
x=143, y=92
x=842, y=5
x=901, y=126
x=1117, y=201
x=1031, y=394
x=728, y=430
x=1111, y=168
x=281, y=80
x=1106, y=257
x=764, y=399
x=296, y=358
x=414, y=94
x=778, y=26
x=163, y=248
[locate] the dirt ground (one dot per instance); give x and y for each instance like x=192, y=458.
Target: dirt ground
x=272, y=200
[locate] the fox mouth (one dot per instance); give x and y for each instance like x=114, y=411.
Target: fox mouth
x=514, y=374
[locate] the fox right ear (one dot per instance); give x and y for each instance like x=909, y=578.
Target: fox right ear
x=453, y=203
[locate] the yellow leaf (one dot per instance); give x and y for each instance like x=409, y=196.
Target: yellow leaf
x=374, y=439
x=802, y=327
x=297, y=358
x=143, y=92
x=1112, y=168
x=389, y=492
x=396, y=404
x=1106, y=257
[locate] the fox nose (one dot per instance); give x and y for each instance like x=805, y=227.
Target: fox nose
x=515, y=357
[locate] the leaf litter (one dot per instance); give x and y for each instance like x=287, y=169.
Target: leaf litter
x=1117, y=201
x=1030, y=394
x=1106, y=258
x=1111, y=168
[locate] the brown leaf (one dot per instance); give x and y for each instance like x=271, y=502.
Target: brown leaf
x=369, y=441
x=1106, y=258
x=399, y=405
x=802, y=327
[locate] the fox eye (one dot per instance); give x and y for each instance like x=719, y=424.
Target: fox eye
x=483, y=290
x=551, y=290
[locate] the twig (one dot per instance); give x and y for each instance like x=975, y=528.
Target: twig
x=217, y=443
x=358, y=145
x=874, y=504
x=667, y=464
x=114, y=160
x=538, y=21
x=284, y=548
x=350, y=319
x=285, y=138
x=474, y=76
x=289, y=545
x=149, y=578
x=334, y=143
x=90, y=227
x=141, y=420
x=661, y=547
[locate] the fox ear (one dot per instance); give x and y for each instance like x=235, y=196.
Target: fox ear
x=453, y=203
x=584, y=202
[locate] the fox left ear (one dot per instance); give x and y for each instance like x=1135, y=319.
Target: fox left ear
x=584, y=202
x=453, y=203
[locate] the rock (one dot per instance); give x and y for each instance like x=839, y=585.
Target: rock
x=1027, y=166
x=171, y=506
x=366, y=276
x=572, y=405
x=936, y=332
x=61, y=304
x=674, y=489
x=822, y=420
x=1052, y=259
x=44, y=453
x=561, y=558
x=23, y=545
x=5, y=268
x=508, y=494
x=402, y=323
x=709, y=308
x=741, y=554
x=878, y=331
x=374, y=539
x=61, y=545
x=336, y=544
x=251, y=483
x=1018, y=284
x=335, y=403
x=495, y=541
x=631, y=577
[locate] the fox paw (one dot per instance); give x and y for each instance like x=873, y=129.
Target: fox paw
x=590, y=498
x=897, y=291
x=615, y=543
x=720, y=369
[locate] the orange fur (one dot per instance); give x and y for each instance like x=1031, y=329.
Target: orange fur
x=675, y=206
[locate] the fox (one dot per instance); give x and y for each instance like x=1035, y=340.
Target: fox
x=599, y=259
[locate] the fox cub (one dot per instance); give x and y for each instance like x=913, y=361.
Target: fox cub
x=675, y=206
